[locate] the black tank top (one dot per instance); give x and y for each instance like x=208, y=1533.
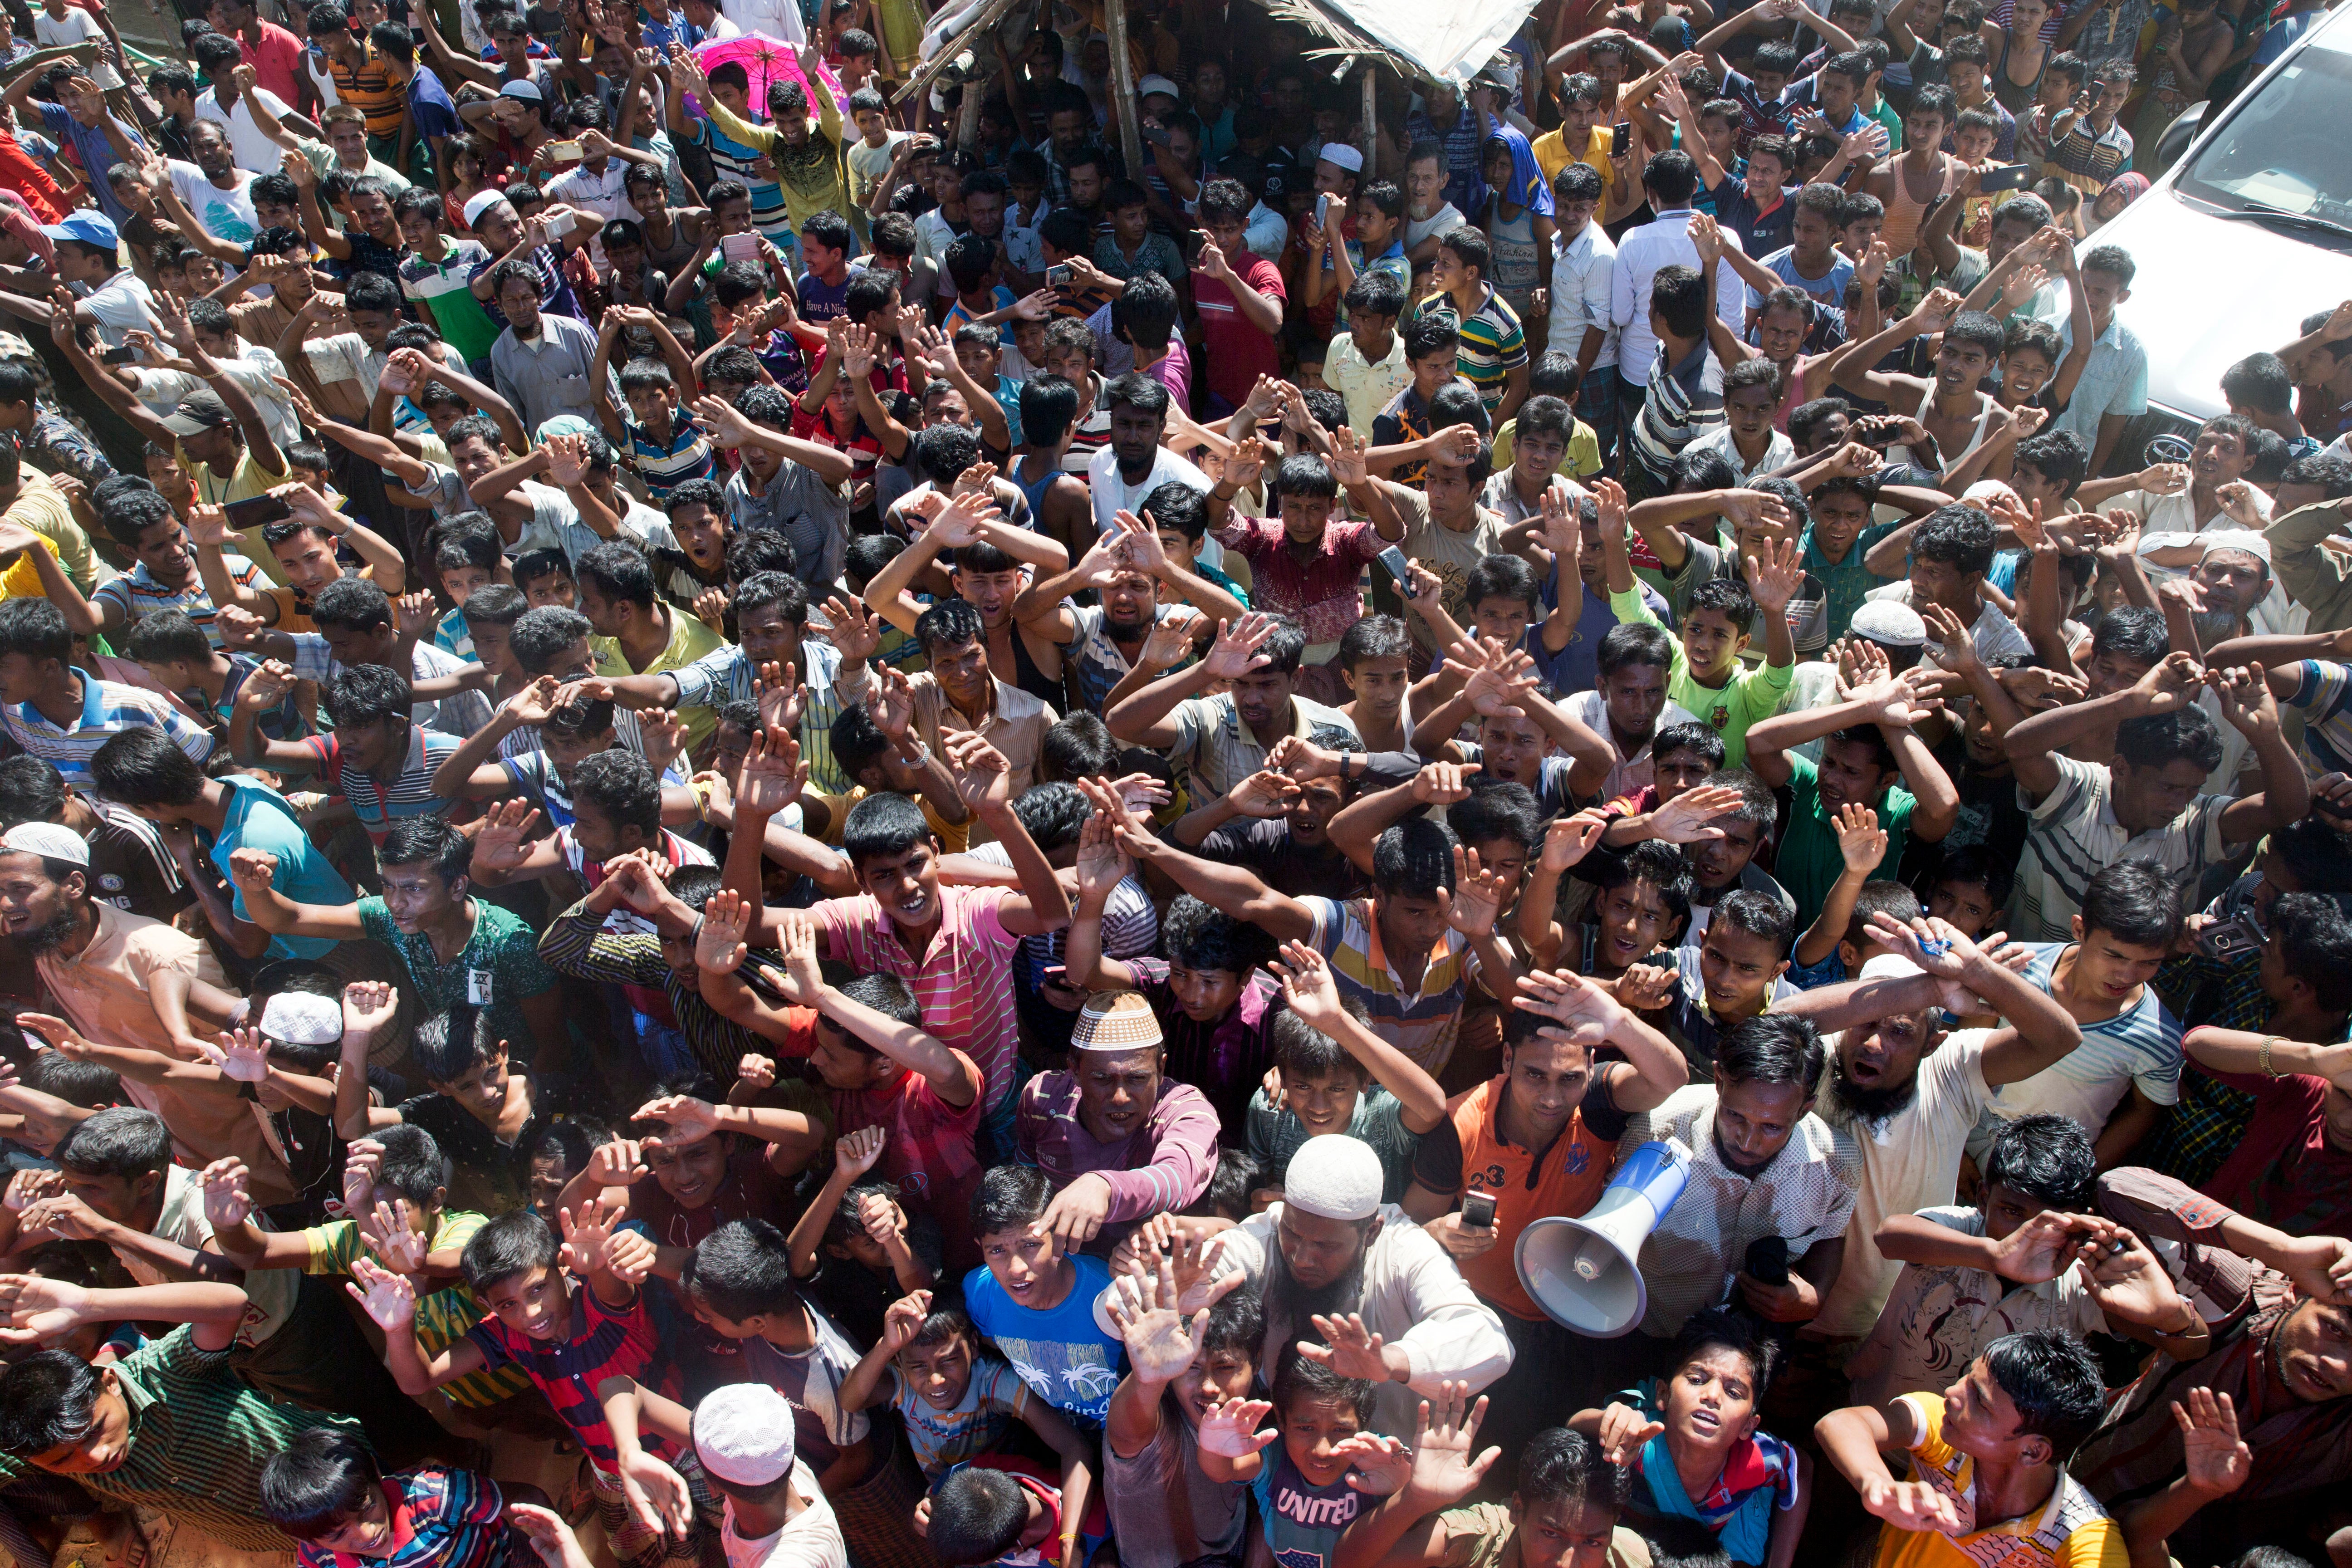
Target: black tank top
x=1032, y=680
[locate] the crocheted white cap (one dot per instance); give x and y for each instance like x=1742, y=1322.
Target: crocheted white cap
x=1336, y=1176
x=743, y=1434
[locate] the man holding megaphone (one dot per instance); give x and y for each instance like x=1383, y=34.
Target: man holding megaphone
x=1538, y=1139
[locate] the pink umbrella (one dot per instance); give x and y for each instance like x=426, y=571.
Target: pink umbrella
x=768, y=60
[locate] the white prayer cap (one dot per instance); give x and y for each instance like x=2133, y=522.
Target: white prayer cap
x=48, y=840
x=1336, y=1176
x=299, y=1018
x=743, y=1434
x=1341, y=155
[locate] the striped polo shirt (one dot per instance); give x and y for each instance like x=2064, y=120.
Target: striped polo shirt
x=963, y=983
x=107, y=709
x=380, y=803
x=138, y=595
x=1492, y=343
x=1423, y=1022
x=2323, y=693
x=664, y=466
x=603, y=1343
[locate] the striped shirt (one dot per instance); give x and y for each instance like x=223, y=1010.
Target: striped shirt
x=963, y=983
x=460, y=714
x=665, y=465
x=381, y=804
x=107, y=709
x=368, y=89
x=577, y=944
x=2074, y=834
x=603, y=1343
x=1492, y=343
x=440, y=1519
x=138, y=595
x=443, y=1317
x=1425, y=1022
x=2139, y=1047
x=2324, y=691
x=197, y=1441
x=726, y=675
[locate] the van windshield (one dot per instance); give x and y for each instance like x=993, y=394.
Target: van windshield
x=2286, y=149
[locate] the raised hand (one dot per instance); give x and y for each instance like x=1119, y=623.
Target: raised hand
x=368, y=1006
x=396, y=1239
x=1160, y=1340
x=227, y=1204
x=1570, y=839
x=1775, y=575
x=240, y=1056
x=1235, y=652
x=2172, y=683
x=719, y=944
x=777, y=688
x=1861, y=841
x=1586, y=1013
x=500, y=847
x=1478, y=898
x=853, y=628
x=1684, y=818
x=1229, y=1428
x=1102, y=865
x=388, y=1299
x=1307, y=985
x=688, y=1120
x=2214, y=1458
x=2041, y=1248
x=1444, y=1471
x=551, y=1538
x=983, y=778
x=774, y=774
x=2246, y=701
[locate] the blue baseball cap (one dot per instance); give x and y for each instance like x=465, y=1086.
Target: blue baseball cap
x=85, y=227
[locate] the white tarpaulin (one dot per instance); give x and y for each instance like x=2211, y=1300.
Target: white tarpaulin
x=1450, y=41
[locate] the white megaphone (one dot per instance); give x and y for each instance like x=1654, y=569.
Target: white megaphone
x=1586, y=1273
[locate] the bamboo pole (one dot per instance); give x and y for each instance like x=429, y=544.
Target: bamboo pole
x=1122, y=89
x=1371, y=148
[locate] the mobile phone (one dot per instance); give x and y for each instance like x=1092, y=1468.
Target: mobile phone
x=2005, y=177
x=1323, y=208
x=1058, y=274
x=1767, y=1260
x=255, y=511
x=740, y=246
x=558, y=150
x=1400, y=569
x=2232, y=938
x=1155, y=133
x=1478, y=1211
x=1620, y=139
x=122, y=355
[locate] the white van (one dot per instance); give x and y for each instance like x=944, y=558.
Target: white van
x=2247, y=234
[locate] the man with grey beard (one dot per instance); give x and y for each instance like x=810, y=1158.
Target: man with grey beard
x=1350, y=1279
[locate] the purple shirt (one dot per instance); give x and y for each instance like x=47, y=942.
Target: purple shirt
x=1162, y=1165
x=1225, y=1059
x=1174, y=372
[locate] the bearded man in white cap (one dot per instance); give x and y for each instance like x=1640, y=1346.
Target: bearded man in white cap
x=1353, y=1283
x=1119, y=1140
x=126, y=981
x=1908, y=1102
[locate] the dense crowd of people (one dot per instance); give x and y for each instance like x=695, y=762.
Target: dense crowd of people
x=764, y=797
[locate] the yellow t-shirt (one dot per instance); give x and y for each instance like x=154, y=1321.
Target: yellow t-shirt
x=41, y=507
x=955, y=838
x=2070, y=1531
x=22, y=580
x=250, y=480
x=1552, y=156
